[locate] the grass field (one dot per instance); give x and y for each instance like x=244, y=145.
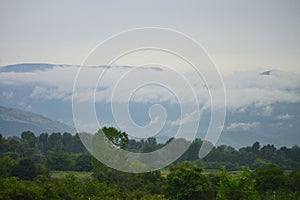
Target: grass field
x=164, y=173
x=88, y=175
x=80, y=175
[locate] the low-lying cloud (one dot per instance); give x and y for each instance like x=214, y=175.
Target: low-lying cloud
x=242, y=88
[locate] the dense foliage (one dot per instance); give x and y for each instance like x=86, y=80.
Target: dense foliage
x=26, y=166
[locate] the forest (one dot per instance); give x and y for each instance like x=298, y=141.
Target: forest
x=28, y=164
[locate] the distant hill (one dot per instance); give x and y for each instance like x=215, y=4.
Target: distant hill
x=14, y=121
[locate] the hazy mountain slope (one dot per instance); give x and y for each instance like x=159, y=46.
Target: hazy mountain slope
x=15, y=121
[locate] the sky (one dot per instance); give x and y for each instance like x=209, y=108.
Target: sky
x=238, y=35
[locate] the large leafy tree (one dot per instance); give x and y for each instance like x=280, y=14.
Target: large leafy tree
x=186, y=182
x=270, y=178
x=102, y=172
x=118, y=138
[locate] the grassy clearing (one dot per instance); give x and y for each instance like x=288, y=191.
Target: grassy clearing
x=164, y=173
x=210, y=171
x=80, y=175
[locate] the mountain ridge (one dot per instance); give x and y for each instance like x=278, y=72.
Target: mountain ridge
x=14, y=121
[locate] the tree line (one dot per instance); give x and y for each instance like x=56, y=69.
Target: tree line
x=26, y=163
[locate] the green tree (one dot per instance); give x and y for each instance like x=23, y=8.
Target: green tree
x=67, y=142
x=13, y=189
x=294, y=181
x=29, y=146
x=25, y=169
x=60, y=160
x=149, y=145
x=29, y=139
x=83, y=162
x=14, y=147
x=236, y=187
x=102, y=172
x=43, y=142
x=270, y=178
x=98, y=191
x=78, y=146
x=268, y=151
x=7, y=165
x=186, y=182
x=118, y=138
x=3, y=144
x=255, y=147
x=55, y=141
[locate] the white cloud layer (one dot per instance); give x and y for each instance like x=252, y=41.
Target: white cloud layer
x=242, y=88
x=253, y=88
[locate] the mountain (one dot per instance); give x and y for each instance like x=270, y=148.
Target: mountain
x=14, y=121
x=262, y=105
x=26, y=67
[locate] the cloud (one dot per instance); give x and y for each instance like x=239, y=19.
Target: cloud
x=245, y=126
x=251, y=88
x=243, y=89
x=46, y=93
x=284, y=116
x=137, y=84
x=187, y=118
x=29, y=107
x=266, y=111
x=7, y=95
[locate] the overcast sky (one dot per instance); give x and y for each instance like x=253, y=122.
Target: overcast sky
x=239, y=35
